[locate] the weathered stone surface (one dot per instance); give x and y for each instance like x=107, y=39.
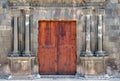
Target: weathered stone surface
x=114, y=1
x=93, y=65
x=21, y=65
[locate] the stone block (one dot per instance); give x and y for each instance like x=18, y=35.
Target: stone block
x=3, y=57
x=56, y=14
x=115, y=12
x=118, y=5
x=108, y=12
x=67, y=14
x=113, y=1
x=21, y=65
x=49, y=14
x=118, y=12
x=109, y=22
x=93, y=65
x=110, y=6
x=115, y=27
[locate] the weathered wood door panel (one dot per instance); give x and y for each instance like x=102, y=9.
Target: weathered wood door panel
x=57, y=47
x=67, y=51
x=47, y=49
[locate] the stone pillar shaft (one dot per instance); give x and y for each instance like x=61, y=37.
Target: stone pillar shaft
x=15, y=46
x=88, y=33
x=27, y=29
x=100, y=27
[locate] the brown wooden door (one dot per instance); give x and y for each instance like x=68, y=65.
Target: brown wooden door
x=67, y=48
x=57, y=47
x=47, y=49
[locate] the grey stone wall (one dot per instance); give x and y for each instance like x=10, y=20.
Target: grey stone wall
x=112, y=34
x=5, y=36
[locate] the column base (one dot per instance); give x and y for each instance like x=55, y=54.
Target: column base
x=37, y=76
x=86, y=54
x=27, y=54
x=14, y=54
x=93, y=65
x=10, y=77
x=100, y=53
x=78, y=75
x=21, y=65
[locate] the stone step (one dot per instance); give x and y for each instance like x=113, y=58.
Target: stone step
x=58, y=78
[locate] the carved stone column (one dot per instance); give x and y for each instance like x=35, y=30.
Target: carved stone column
x=100, y=27
x=93, y=65
x=100, y=51
x=15, y=35
x=88, y=49
x=88, y=34
x=27, y=31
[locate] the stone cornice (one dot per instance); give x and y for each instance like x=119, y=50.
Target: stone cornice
x=56, y=1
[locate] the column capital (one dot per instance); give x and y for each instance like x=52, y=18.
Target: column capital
x=88, y=11
x=28, y=11
x=15, y=12
x=27, y=31
x=101, y=11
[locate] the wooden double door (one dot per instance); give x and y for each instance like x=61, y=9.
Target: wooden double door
x=57, y=47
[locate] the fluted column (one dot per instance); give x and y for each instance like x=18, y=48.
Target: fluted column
x=15, y=36
x=27, y=29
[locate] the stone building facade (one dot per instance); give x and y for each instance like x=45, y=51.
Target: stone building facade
x=97, y=34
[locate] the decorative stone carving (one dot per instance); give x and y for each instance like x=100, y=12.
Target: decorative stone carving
x=87, y=51
x=15, y=50
x=21, y=64
x=100, y=51
x=93, y=65
x=88, y=48
x=27, y=29
x=100, y=33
